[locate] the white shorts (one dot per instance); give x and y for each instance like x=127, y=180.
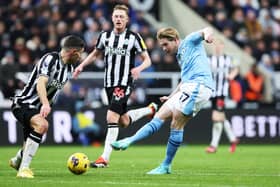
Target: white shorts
x=190, y=98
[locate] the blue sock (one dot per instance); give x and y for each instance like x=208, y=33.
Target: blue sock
x=147, y=130
x=174, y=141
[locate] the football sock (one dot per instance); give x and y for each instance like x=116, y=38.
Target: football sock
x=174, y=141
x=147, y=130
x=229, y=131
x=139, y=113
x=216, y=133
x=112, y=135
x=19, y=154
x=31, y=145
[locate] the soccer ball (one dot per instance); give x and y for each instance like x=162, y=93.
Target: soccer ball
x=78, y=163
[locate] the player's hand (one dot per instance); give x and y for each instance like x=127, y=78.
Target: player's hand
x=209, y=39
x=228, y=77
x=208, y=34
x=45, y=110
x=77, y=71
x=163, y=99
x=135, y=72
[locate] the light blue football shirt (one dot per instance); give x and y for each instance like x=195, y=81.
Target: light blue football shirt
x=193, y=61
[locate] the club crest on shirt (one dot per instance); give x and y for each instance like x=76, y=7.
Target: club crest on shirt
x=126, y=41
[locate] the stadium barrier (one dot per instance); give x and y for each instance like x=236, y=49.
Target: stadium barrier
x=251, y=126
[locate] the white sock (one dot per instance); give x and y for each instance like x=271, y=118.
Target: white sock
x=139, y=113
x=112, y=135
x=29, y=151
x=229, y=131
x=216, y=133
x=19, y=154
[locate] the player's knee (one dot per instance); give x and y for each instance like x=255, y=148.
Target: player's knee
x=218, y=116
x=123, y=125
x=112, y=117
x=42, y=127
x=125, y=121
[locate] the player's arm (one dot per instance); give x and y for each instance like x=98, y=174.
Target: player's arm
x=146, y=62
x=233, y=73
x=42, y=93
x=88, y=60
x=164, y=98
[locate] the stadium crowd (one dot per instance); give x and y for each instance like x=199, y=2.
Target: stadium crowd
x=30, y=28
x=253, y=25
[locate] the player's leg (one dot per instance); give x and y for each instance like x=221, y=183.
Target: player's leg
x=133, y=115
x=186, y=104
x=218, y=117
x=232, y=138
x=39, y=126
x=15, y=161
x=147, y=130
x=117, y=98
x=217, y=128
x=175, y=139
x=111, y=136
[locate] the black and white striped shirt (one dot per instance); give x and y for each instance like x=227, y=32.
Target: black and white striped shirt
x=119, y=55
x=221, y=67
x=58, y=73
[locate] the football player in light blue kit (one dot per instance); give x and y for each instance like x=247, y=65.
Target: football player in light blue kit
x=187, y=99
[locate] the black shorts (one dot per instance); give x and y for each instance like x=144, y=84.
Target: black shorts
x=24, y=114
x=218, y=103
x=118, y=97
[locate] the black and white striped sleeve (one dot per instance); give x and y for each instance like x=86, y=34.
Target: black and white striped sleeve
x=139, y=43
x=45, y=65
x=100, y=41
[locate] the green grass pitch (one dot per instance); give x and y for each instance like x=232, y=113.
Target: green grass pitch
x=251, y=165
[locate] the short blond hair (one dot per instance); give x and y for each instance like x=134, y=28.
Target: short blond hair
x=122, y=7
x=169, y=33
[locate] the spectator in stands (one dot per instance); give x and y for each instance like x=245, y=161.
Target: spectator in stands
x=258, y=32
x=236, y=92
x=66, y=99
x=85, y=130
x=238, y=26
x=265, y=64
x=8, y=70
x=253, y=26
x=255, y=85
x=91, y=34
x=169, y=64
x=276, y=60
x=27, y=19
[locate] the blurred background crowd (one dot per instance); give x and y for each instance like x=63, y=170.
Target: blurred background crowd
x=30, y=28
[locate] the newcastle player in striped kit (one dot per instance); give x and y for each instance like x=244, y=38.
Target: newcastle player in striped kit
x=223, y=70
x=33, y=104
x=120, y=47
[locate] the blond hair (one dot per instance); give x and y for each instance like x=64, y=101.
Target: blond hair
x=122, y=7
x=169, y=33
